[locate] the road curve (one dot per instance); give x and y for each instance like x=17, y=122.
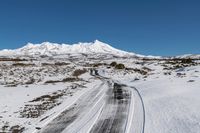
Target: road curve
x=110, y=108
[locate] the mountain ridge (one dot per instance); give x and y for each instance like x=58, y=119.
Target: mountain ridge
x=50, y=49
x=95, y=47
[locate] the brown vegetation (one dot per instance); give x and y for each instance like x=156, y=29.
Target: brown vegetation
x=79, y=72
x=120, y=66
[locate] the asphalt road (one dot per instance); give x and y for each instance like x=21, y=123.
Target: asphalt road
x=114, y=115
x=105, y=109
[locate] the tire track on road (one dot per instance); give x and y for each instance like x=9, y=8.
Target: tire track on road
x=115, y=112
x=74, y=112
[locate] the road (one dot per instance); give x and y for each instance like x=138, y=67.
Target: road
x=108, y=108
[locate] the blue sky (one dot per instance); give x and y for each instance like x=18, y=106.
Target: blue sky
x=156, y=27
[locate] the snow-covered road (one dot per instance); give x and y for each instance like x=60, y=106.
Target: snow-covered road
x=114, y=115
x=109, y=107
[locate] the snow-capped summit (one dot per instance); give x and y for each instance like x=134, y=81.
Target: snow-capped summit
x=50, y=49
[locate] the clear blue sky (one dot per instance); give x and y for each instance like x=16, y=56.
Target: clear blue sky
x=156, y=27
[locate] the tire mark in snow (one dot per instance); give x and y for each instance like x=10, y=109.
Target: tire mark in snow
x=138, y=108
x=114, y=115
x=84, y=123
x=136, y=119
x=76, y=111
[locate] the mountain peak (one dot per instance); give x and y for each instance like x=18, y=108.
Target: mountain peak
x=50, y=49
x=98, y=42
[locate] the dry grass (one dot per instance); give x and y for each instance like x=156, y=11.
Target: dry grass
x=46, y=102
x=79, y=72
x=40, y=105
x=12, y=59
x=23, y=65
x=11, y=129
x=63, y=80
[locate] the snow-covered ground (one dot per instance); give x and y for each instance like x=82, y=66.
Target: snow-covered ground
x=99, y=93
x=172, y=103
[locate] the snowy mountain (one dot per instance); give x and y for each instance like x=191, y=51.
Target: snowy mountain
x=51, y=49
x=82, y=92
x=96, y=47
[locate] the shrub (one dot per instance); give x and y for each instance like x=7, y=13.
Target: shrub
x=99, y=64
x=143, y=72
x=113, y=64
x=61, y=63
x=63, y=80
x=22, y=64
x=187, y=61
x=120, y=66
x=69, y=79
x=12, y=59
x=79, y=72
x=47, y=64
